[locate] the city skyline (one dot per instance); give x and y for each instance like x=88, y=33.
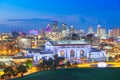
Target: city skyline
x=37, y=14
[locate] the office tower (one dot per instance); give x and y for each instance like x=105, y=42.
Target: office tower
x=98, y=30
x=102, y=32
x=42, y=33
x=55, y=26
x=114, y=32
x=64, y=26
x=117, y=32
x=110, y=33
x=71, y=29
x=90, y=30
x=48, y=29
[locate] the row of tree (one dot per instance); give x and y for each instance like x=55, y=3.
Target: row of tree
x=53, y=63
x=13, y=71
x=115, y=58
x=44, y=64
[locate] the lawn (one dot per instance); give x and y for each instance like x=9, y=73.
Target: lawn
x=75, y=74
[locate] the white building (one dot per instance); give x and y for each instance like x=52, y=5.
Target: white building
x=98, y=55
x=73, y=50
x=37, y=54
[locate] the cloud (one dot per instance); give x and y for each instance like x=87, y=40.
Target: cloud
x=33, y=19
x=79, y=22
x=27, y=22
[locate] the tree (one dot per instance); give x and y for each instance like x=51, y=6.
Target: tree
x=42, y=64
x=21, y=69
x=29, y=63
x=2, y=64
x=39, y=66
x=50, y=63
x=68, y=63
x=57, y=61
x=89, y=37
x=110, y=58
x=116, y=57
x=8, y=72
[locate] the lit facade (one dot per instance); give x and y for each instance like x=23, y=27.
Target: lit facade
x=98, y=30
x=114, y=32
x=90, y=30
x=73, y=50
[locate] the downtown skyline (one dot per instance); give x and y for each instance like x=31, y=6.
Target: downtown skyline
x=34, y=14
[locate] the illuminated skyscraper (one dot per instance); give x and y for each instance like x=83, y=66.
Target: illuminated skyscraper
x=117, y=32
x=98, y=30
x=71, y=29
x=90, y=30
x=42, y=33
x=64, y=30
x=64, y=26
x=110, y=33
x=48, y=29
x=103, y=32
x=55, y=26
x=114, y=32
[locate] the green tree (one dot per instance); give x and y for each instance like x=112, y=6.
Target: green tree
x=29, y=63
x=8, y=72
x=21, y=69
x=89, y=37
x=50, y=63
x=110, y=58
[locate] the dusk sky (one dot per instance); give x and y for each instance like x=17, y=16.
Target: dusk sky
x=36, y=14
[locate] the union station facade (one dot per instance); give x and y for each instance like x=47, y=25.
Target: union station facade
x=74, y=50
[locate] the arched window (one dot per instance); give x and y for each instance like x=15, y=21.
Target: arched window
x=36, y=58
x=82, y=53
x=72, y=53
x=62, y=53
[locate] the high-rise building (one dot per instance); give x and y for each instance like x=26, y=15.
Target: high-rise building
x=48, y=29
x=117, y=32
x=55, y=23
x=90, y=30
x=103, y=32
x=110, y=33
x=64, y=26
x=98, y=30
x=114, y=32
x=71, y=29
x=55, y=26
x=42, y=33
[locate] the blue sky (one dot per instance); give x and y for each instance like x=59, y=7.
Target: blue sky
x=35, y=14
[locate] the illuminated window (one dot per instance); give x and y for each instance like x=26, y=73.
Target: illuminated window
x=72, y=53
x=36, y=58
x=62, y=53
x=82, y=54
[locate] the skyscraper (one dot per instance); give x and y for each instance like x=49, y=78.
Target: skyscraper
x=48, y=29
x=71, y=29
x=102, y=32
x=55, y=26
x=42, y=33
x=114, y=32
x=90, y=30
x=64, y=26
x=110, y=33
x=98, y=30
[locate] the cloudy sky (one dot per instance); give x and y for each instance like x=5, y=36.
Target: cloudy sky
x=36, y=14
